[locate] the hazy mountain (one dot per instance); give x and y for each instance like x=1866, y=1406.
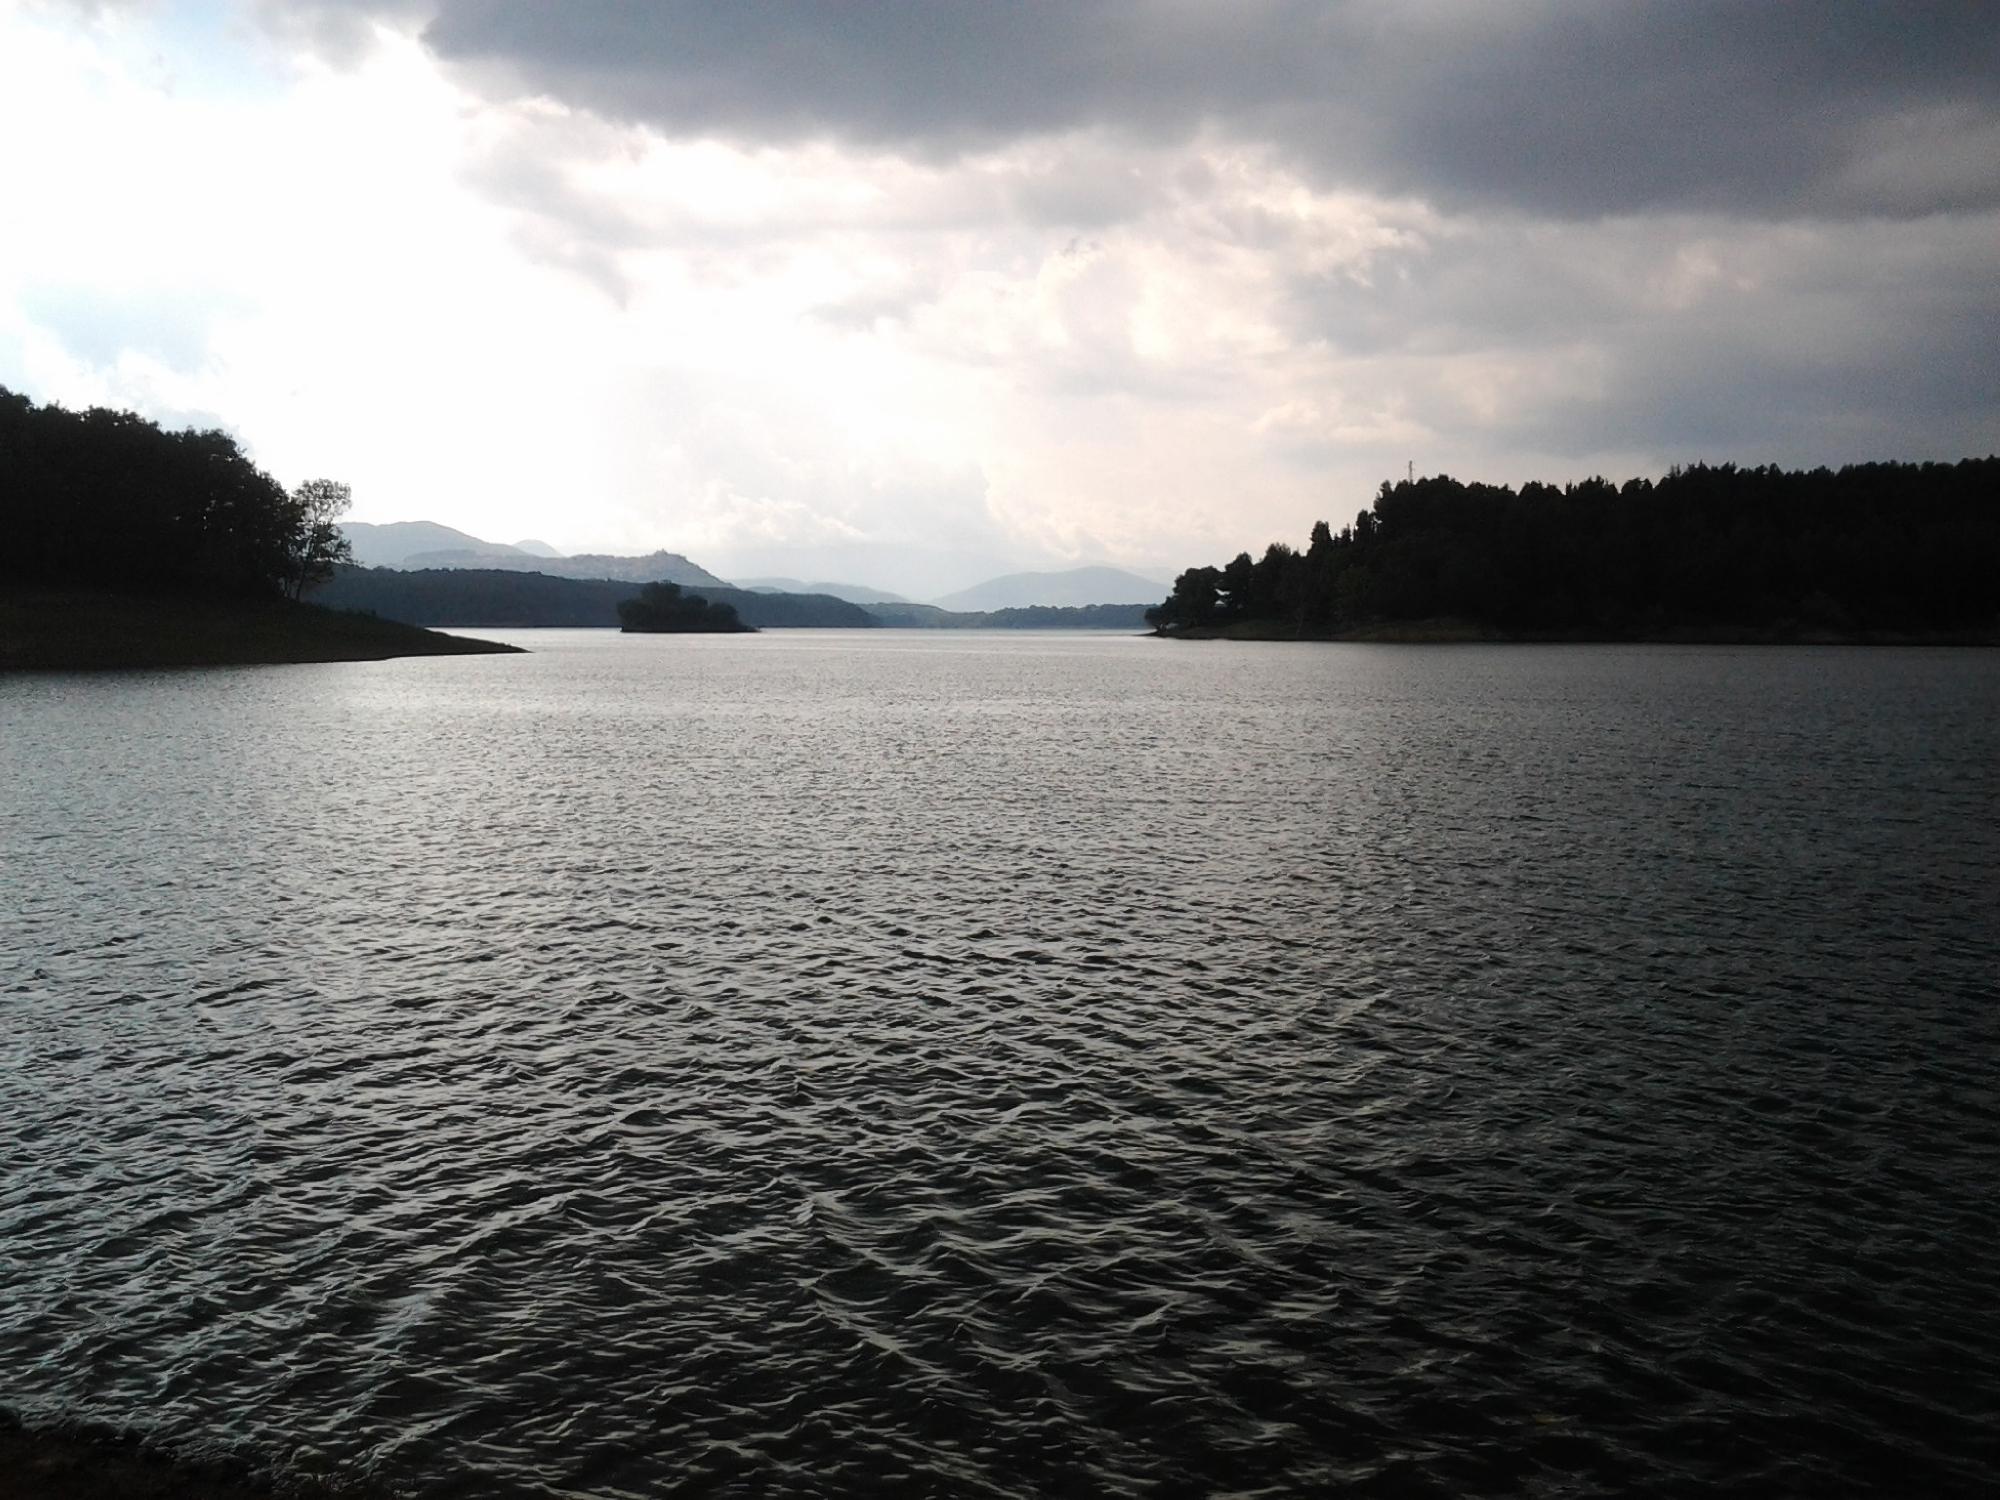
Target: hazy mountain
x=393, y=543
x=426, y=544
x=853, y=593
x=654, y=566
x=485, y=555
x=1074, y=587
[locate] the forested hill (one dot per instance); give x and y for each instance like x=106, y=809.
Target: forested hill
x=1873, y=548
x=108, y=500
x=125, y=545
x=500, y=598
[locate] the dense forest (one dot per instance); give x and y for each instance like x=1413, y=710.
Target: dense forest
x=1872, y=547
x=106, y=499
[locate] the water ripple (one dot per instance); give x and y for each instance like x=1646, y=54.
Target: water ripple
x=820, y=1065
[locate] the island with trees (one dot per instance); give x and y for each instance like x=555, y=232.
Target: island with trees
x=662, y=609
x=126, y=545
x=1872, y=552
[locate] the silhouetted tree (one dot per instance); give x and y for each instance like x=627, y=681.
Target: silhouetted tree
x=1236, y=592
x=105, y=498
x=1193, y=601
x=319, y=545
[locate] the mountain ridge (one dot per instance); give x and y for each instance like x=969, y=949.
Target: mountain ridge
x=653, y=567
x=425, y=545
x=386, y=544
x=853, y=593
x=1067, y=588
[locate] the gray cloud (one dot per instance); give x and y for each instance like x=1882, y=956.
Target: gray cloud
x=1189, y=250
x=1709, y=391
x=1798, y=345
x=1573, y=108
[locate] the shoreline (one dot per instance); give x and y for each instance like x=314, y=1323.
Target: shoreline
x=93, y=630
x=1457, y=632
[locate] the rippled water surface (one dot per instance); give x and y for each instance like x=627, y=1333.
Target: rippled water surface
x=971, y=1065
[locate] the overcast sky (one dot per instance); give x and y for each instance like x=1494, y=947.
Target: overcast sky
x=913, y=293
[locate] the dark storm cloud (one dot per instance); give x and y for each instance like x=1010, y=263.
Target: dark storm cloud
x=1572, y=107
x=1872, y=341
x=1714, y=392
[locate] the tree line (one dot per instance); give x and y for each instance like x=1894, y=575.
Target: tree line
x=1871, y=546
x=662, y=609
x=106, y=499
x=483, y=597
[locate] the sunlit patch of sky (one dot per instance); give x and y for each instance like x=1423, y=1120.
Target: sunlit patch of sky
x=1142, y=283
x=204, y=49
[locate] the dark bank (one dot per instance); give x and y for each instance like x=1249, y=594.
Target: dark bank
x=130, y=546
x=1885, y=553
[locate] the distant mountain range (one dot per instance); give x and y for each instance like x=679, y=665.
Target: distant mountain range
x=430, y=547
x=647, y=569
x=426, y=544
x=853, y=593
x=392, y=543
x=1071, y=588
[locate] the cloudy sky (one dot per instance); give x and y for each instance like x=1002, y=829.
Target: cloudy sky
x=913, y=293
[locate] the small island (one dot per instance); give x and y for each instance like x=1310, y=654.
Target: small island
x=662, y=609
x=129, y=546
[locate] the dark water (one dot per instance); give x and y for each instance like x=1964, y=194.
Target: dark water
x=969, y=1065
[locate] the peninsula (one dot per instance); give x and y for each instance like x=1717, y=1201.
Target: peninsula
x=57, y=629
x=1887, y=553
x=130, y=546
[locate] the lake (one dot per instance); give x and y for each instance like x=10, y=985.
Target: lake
x=823, y=1063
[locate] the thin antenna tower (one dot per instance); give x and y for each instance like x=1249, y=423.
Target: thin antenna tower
x=1410, y=472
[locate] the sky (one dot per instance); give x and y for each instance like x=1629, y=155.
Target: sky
x=911, y=294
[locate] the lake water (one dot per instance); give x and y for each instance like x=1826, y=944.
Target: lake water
x=942, y=1064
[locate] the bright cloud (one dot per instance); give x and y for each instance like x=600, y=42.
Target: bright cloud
x=911, y=296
